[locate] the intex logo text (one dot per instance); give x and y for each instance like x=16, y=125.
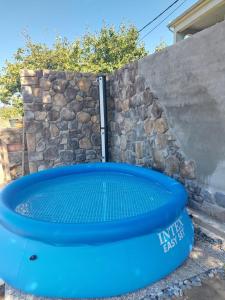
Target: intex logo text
x=170, y=237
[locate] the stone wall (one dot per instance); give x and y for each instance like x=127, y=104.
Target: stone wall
x=168, y=111
x=11, y=154
x=139, y=131
x=61, y=118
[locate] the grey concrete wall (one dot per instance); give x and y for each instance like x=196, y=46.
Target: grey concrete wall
x=188, y=79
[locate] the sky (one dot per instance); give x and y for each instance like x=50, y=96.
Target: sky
x=43, y=20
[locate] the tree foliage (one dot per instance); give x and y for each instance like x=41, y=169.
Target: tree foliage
x=162, y=45
x=105, y=51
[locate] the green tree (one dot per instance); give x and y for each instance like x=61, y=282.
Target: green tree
x=104, y=51
x=162, y=45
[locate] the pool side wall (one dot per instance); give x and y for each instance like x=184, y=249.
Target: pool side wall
x=85, y=271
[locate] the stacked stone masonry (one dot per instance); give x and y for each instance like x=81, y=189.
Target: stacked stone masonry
x=62, y=127
x=139, y=132
x=61, y=118
x=12, y=153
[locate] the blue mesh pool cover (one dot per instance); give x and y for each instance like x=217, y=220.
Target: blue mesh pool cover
x=91, y=197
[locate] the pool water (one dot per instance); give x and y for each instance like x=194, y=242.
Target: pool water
x=91, y=197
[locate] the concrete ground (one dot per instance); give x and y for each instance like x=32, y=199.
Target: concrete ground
x=2, y=293
x=211, y=289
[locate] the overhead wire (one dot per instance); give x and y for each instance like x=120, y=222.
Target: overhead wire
x=153, y=20
x=161, y=21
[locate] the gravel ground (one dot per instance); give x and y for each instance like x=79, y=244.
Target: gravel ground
x=201, y=277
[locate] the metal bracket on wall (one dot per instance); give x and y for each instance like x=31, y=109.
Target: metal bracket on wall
x=103, y=117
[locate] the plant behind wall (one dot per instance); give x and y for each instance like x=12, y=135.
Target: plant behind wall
x=104, y=51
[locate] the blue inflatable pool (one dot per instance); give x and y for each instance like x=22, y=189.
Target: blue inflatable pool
x=92, y=230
